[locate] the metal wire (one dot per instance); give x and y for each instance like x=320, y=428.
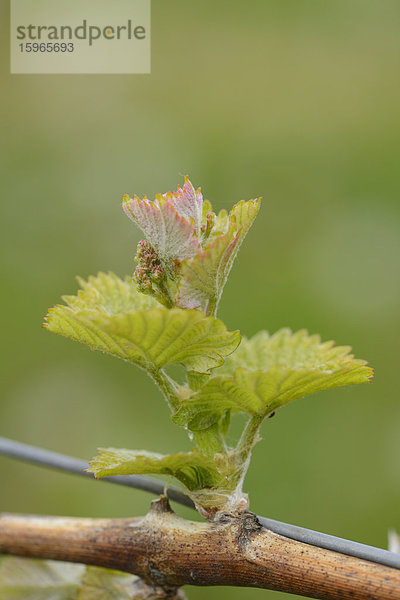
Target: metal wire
x=61, y=462
x=68, y=464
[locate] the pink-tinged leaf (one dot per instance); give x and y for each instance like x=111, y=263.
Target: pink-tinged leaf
x=172, y=236
x=188, y=203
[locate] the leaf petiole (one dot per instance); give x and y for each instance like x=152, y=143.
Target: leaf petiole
x=167, y=386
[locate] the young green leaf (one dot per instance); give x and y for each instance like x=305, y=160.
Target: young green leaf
x=107, y=584
x=33, y=579
x=267, y=372
x=193, y=469
x=203, y=276
x=109, y=294
x=108, y=314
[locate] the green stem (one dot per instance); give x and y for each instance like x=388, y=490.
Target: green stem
x=210, y=441
x=168, y=388
x=239, y=458
x=248, y=439
x=163, y=295
x=211, y=310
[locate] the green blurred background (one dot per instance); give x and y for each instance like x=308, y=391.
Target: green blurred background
x=294, y=100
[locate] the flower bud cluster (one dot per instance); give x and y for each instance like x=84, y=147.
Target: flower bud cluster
x=149, y=274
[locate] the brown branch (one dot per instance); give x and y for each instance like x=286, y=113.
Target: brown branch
x=168, y=551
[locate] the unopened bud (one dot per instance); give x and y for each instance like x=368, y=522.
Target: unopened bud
x=143, y=249
x=157, y=274
x=143, y=281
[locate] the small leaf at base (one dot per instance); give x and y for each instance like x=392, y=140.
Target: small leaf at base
x=33, y=579
x=192, y=469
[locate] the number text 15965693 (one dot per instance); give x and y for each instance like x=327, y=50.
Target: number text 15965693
x=47, y=47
